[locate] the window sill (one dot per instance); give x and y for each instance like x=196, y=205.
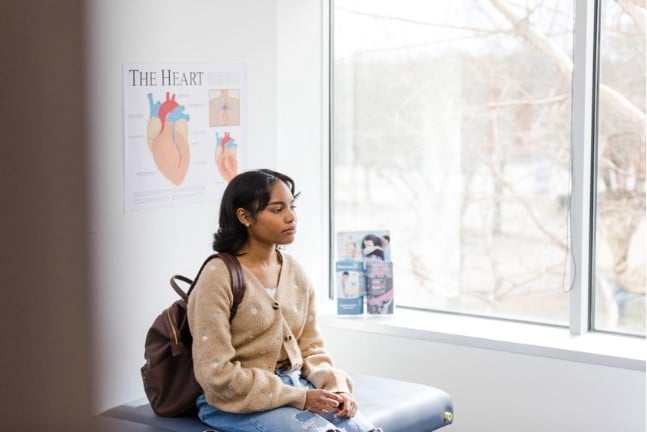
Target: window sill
x=602, y=349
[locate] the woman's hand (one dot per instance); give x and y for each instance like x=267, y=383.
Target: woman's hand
x=322, y=401
x=348, y=407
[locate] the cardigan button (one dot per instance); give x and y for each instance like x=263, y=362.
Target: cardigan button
x=276, y=305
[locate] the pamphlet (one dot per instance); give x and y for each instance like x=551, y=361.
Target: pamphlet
x=350, y=287
x=363, y=245
x=379, y=287
x=364, y=272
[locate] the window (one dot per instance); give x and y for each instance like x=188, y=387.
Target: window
x=620, y=186
x=451, y=128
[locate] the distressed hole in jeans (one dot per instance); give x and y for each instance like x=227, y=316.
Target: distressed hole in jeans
x=313, y=423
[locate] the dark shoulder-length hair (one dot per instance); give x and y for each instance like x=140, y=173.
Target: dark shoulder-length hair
x=251, y=191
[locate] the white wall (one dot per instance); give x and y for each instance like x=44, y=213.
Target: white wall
x=501, y=391
x=301, y=130
x=134, y=254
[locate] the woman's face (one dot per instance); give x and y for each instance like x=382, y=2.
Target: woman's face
x=277, y=222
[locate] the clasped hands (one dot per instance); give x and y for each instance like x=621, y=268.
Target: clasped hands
x=323, y=401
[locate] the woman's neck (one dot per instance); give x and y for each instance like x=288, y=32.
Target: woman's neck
x=259, y=256
x=266, y=265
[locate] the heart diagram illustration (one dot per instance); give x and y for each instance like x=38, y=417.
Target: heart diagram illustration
x=225, y=156
x=167, y=135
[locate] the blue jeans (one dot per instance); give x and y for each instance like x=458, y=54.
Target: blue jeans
x=282, y=419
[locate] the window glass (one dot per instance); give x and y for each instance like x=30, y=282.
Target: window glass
x=451, y=129
x=620, y=208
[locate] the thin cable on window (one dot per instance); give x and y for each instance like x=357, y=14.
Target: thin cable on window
x=569, y=229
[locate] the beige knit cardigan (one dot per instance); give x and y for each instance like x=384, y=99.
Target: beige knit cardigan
x=235, y=362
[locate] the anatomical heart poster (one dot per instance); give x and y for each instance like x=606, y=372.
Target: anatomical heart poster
x=185, y=132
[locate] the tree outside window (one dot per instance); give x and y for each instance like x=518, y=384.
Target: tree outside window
x=451, y=129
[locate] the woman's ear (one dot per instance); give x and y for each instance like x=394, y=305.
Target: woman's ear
x=243, y=217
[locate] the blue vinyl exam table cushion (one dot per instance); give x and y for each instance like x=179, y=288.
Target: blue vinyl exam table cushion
x=393, y=405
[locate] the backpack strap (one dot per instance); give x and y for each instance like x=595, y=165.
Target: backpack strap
x=237, y=280
x=236, y=277
x=176, y=287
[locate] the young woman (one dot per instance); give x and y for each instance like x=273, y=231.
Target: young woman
x=267, y=369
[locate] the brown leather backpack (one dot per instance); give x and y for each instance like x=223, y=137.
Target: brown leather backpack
x=169, y=382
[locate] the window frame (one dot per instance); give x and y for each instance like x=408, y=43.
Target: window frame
x=584, y=119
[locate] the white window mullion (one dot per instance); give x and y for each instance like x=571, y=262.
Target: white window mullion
x=582, y=136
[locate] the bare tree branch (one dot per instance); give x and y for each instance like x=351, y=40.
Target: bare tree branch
x=636, y=10
x=545, y=101
x=619, y=103
x=526, y=205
